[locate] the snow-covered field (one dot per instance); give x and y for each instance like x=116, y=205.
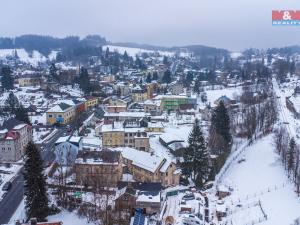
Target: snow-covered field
x=261, y=178
x=134, y=51
x=33, y=58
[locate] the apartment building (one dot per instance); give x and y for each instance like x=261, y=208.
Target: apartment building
x=14, y=136
x=116, y=135
x=98, y=168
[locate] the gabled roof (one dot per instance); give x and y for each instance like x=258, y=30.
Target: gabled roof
x=61, y=107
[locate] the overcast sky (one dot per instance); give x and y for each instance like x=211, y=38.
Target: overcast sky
x=231, y=24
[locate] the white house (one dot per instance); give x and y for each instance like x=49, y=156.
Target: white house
x=66, y=150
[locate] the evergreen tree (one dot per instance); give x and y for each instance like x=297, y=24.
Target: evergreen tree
x=125, y=56
x=221, y=122
x=36, y=199
x=11, y=103
x=7, y=78
x=166, y=60
x=197, y=87
x=220, y=136
x=53, y=72
x=155, y=76
x=148, y=79
x=140, y=64
x=189, y=77
x=291, y=155
x=22, y=114
x=84, y=81
x=107, y=52
x=196, y=157
x=167, y=77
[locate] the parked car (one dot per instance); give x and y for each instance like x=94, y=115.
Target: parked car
x=6, y=186
x=189, y=196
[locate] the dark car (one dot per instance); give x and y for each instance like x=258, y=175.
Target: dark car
x=189, y=196
x=6, y=186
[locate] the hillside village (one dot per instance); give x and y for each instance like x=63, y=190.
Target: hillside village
x=115, y=130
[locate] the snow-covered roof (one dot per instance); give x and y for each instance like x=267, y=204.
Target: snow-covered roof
x=145, y=160
x=170, y=137
x=62, y=139
x=126, y=114
x=75, y=139
x=20, y=126
x=147, y=197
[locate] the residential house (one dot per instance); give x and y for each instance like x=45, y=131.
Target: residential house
x=98, y=168
x=135, y=117
x=148, y=167
x=116, y=135
x=61, y=113
x=139, y=94
x=152, y=107
x=66, y=150
x=29, y=80
x=156, y=127
x=91, y=102
x=150, y=202
x=125, y=198
x=14, y=137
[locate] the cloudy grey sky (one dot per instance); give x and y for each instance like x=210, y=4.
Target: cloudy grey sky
x=232, y=24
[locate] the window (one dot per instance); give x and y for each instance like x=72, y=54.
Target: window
x=50, y=115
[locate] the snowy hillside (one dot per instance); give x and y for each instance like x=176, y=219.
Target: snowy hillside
x=135, y=51
x=32, y=58
x=261, y=178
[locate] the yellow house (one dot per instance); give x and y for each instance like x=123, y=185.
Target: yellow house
x=91, y=102
x=139, y=94
x=61, y=113
x=155, y=127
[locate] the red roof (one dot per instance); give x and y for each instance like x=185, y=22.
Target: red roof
x=12, y=135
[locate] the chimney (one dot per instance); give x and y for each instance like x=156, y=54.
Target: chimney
x=33, y=221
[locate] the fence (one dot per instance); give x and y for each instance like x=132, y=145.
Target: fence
x=233, y=157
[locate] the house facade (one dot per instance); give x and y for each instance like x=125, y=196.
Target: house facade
x=98, y=168
x=14, y=137
x=61, y=113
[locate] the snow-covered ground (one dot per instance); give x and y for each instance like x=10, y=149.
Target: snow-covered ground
x=134, y=51
x=33, y=58
x=69, y=218
x=261, y=178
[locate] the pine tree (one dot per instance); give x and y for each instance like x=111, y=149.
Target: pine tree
x=22, y=114
x=7, y=78
x=189, y=77
x=84, y=81
x=53, y=72
x=221, y=122
x=196, y=157
x=291, y=156
x=167, y=77
x=148, y=79
x=155, y=76
x=36, y=198
x=12, y=103
x=166, y=60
